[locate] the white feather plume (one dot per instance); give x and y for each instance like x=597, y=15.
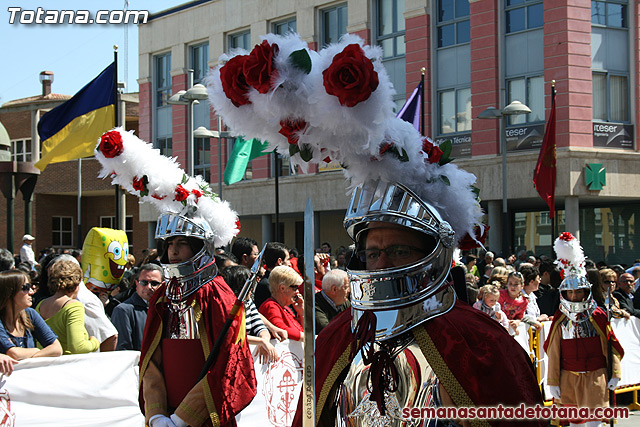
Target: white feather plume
x=139, y=159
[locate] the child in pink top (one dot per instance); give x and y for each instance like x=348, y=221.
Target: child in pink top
x=512, y=301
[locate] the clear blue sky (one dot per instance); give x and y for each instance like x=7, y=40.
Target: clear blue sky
x=76, y=53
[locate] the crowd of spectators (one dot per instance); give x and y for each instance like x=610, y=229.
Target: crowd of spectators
x=528, y=287
x=46, y=310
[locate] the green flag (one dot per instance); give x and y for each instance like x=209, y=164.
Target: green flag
x=243, y=152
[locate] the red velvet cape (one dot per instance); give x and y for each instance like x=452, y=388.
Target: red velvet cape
x=476, y=360
x=599, y=321
x=232, y=381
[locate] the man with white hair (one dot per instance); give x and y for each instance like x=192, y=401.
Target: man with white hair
x=333, y=299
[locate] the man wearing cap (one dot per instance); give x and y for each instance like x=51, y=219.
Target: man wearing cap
x=26, y=251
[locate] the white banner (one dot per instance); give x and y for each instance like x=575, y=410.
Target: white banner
x=96, y=389
x=279, y=386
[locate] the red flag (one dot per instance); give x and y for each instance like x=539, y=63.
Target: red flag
x=544, y=177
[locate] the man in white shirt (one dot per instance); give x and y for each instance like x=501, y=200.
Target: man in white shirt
x=26, y=251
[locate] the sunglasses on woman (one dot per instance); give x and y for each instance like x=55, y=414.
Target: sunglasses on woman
x=26, y=287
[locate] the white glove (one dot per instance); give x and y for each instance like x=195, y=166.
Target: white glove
x=555, y=391
x=161, y=421
x=179, y=422
x=613, y=383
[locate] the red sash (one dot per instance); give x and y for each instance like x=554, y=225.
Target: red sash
x=582, y=354
x=182, y=361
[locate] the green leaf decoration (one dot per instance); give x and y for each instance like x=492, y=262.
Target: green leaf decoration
x=445, y=180
x=306, y=153
x=446, y=148
x=293, y=150
x=403, y=157
x=301, y=60
x=185, y=178
x=475, y=190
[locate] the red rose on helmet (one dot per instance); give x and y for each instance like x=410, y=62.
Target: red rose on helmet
x=111, y=144
x=259, y=69
x=433, y=151
x=181, y=193
x=138, y=183
x=350, y=76
x=197, y=193
x=234, y=84
x=292, y=129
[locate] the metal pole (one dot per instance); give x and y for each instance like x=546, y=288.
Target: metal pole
x=219, y=157
x=191, y=150
x=505, y=214
x=79, y=236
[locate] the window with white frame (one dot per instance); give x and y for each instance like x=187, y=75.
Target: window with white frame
x=285, y=27
x=62, y=231
x=163, y=119
x=241, y=40
x=21, y=150
x=455, y=110
x=390, y=31
x=610, y=61
x=453, y=75
x=110, y=222
x=529, y=91
x=333, y=24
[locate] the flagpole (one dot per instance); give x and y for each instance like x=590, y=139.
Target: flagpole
x=422, y=70
x=554, y=219
x=119, y=222
x=79, y=237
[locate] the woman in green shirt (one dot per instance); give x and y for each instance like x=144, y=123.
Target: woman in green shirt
x=63, y=312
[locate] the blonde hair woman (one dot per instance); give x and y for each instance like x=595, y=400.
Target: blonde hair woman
x=63, y=312
x=284, y=283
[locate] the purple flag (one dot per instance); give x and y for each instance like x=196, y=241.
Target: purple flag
x=410, y=111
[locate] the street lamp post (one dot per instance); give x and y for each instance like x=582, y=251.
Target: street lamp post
x=189, y=98
x=514, y=109
x=203, y=132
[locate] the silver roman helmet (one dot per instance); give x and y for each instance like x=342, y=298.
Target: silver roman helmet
x=402, y=297
x=186, y=277
x=571, y=261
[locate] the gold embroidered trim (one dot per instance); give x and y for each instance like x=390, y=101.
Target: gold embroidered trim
x=444, y=374
x=342, y=362
x=213, y=411
x=150, y=351
x=192, y=413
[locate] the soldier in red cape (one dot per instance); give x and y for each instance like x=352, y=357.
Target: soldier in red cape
x=577, y=345
x=184, y=319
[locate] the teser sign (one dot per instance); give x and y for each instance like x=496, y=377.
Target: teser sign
x=524, y=137
x=612, y=135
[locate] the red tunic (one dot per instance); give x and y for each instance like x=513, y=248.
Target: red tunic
x=230, y=384
x=476, y=360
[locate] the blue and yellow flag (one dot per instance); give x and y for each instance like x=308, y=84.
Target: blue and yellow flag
x=71, y=130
